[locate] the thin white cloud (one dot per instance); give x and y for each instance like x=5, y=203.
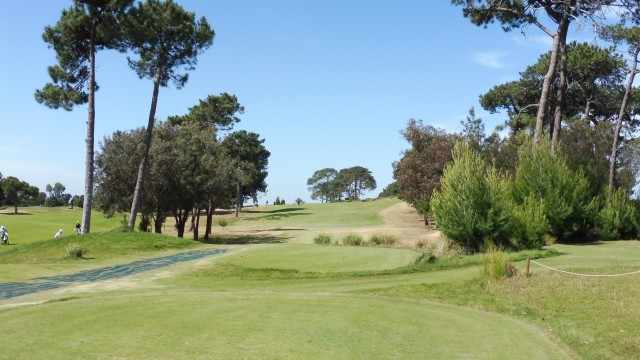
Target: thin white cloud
x=492, y=59
x=540, y=40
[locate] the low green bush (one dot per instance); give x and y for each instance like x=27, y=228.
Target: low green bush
x=444, y=247
x=223, y=223
x=496, y=264
x=382, y=239
x=618, y=218
x=425, y=258
x=76, y=251
x=322, y=239
x=531, y=225
x=352, y=240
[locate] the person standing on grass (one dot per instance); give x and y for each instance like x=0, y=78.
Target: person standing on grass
x=4, y=235
x=78, y=228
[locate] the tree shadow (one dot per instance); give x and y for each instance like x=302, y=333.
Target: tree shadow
x=276, y=214
x=246, y=239
x=287, y=209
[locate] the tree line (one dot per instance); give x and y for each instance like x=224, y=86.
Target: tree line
x=15, y=192
x=330, y=185
x=563, y=166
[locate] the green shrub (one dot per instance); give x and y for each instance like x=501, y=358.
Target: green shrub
x=563, y=192
x=75, y=251
x=496, y=264
x=462, y=204
x=530, y=225
x=445, y=248
x=382, y=239
x=352, y=240
x=223, y=223
x=322, y=239
x=618, y=217
x=426, y=258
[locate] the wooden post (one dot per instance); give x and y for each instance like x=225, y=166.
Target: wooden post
x=528, y=262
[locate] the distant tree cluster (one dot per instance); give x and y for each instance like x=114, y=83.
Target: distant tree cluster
x=329, y=185
x=15, y=192
x=56, y=195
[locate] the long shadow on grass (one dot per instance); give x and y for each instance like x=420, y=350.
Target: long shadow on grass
x=277, y=214
x=14, y=289
x=258, y=238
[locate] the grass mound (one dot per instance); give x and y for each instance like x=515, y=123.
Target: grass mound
x=101, y=246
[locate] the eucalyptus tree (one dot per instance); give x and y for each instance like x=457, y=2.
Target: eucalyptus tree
x=251, y=159
x=214, y=114
x=82, y=30
x=116, y=162
x=419, y=171
x=631, y=37
x=519, y=14
x=356, y=180
x=319, y=184
x=167, y=40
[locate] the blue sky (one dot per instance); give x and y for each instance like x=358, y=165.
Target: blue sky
x=325, y=83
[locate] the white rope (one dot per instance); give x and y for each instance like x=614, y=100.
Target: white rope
x=587, y=275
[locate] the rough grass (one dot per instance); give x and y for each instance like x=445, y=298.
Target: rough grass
x=596, y=317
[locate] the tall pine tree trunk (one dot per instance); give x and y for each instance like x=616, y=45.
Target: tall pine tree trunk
x=137, y=195
x=91, y=120
x=562, y=86
x=546, y=87
x=621, y=115
x=238, y=198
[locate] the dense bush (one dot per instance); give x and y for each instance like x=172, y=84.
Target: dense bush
x=564, y=194
x=461, y=205
x=382, y=239
x=478, y=207
x=322, y=239
x=497, y=264
x=618, y=217
x=352, y=240
x=530, y=226
x=76, y=251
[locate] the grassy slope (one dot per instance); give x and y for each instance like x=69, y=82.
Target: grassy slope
x=40, y=223
x=265, y=301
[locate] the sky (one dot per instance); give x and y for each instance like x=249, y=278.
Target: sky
x=326, y=84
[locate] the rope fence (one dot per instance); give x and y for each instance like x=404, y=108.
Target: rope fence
x=579, y=274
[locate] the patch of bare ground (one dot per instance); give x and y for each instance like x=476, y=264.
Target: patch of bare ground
x=407, y=225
